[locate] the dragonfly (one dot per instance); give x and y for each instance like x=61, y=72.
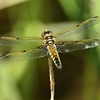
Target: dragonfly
x=50, y=44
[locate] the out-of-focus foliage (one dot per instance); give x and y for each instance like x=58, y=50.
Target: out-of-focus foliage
x=29, y=80
x=5, y=3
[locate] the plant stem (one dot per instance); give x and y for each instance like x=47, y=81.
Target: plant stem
x=51, y=75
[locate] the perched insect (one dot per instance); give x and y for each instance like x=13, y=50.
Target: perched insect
x=50, y=44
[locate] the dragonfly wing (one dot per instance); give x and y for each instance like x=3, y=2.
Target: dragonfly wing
x=78, y=28
x=23, y=55
x=70, y=46
x=14, y=41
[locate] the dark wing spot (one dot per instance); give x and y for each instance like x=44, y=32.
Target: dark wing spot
x=24, y=50
x=3, y=55
x=17, y=39
x=95, y=17
x=77, y=25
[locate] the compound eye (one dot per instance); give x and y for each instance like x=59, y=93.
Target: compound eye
x=46, y=32
x=43, y=34
x=50, y=32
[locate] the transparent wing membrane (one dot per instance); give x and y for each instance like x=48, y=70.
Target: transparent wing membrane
x=70, y=46
x=62, y=46
x=13, y=41
x=23, y=55
x=78, y=28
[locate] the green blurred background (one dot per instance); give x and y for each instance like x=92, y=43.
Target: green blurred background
x=29, y=80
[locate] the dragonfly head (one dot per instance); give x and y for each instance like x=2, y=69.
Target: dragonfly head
x=46, y=33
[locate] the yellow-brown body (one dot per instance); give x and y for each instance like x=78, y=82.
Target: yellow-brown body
x=49, y=41
x=54, y=55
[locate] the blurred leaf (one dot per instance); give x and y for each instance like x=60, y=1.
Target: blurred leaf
x=71, y=8
x=8, y=3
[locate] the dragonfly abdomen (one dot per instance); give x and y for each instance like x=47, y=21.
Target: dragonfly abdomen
x=54, y=55
x=57, y=62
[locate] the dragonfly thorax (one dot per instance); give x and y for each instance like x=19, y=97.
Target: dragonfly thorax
x=48, y=35
x=49, y=40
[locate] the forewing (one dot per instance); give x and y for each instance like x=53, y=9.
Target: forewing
x=70, y=46
x=78, y=28
x=23, y=55
x=14, y=41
